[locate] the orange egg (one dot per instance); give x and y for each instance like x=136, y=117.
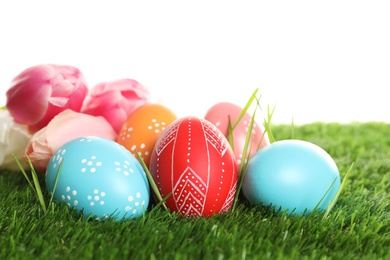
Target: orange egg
x=143, y=127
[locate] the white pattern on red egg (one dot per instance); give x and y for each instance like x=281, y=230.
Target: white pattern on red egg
x=199, y=185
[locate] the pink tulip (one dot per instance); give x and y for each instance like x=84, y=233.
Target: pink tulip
x=115, y=100
x=40, y=92
x=64, y=127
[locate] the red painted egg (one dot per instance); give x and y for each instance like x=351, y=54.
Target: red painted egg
x=194, y=162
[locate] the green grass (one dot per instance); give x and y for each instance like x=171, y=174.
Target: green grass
x=358, y=227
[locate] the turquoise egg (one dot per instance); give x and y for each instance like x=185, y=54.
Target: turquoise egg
x=292, y=175
x=99, y=178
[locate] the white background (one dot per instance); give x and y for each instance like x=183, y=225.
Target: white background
x=315, y=60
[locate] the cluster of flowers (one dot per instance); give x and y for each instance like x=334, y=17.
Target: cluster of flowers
x=48, y=105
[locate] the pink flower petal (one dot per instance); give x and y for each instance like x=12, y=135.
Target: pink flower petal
x=40, y=92
x=65, y=127
x=115, y=100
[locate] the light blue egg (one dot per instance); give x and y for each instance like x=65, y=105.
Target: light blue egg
x=98, y=177
x=292, y=175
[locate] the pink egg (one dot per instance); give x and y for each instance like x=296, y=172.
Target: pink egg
x=219, y=115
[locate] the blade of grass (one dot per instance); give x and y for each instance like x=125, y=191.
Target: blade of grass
x=151, y=180
x=56, y=182
x=241, y=115
x=37, y=185
x=161, y=203
x=230, y=133
x=247, y=145
x=292, y=128
x=322, y=198
x=24, y=173
x=267, y=124
x=245, y=109
x=333, y=202
x=245, y=157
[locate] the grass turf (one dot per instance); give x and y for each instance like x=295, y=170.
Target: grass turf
x=358, y=227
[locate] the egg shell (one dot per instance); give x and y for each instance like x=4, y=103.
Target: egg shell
x=143, y=127
x=292, y=175
x=194, y=162
x=219, y=115
x=98, y=177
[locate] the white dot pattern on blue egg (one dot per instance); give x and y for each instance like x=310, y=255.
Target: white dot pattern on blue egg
x=98, y=177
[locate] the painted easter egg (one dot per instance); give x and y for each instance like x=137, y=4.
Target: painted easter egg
x=193, y=163
x=143, y=127
x=292, y=175
x=222, y=112
x=98, y=177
